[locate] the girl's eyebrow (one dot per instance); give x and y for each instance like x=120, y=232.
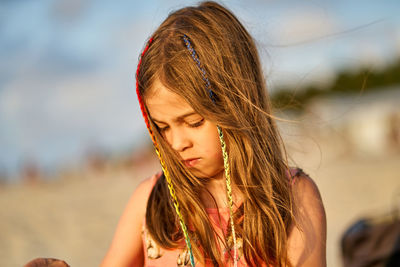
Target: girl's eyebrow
x=180, y=118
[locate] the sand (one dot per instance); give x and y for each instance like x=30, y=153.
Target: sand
x=73, y=218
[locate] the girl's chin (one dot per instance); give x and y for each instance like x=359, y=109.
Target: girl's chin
x=206, y=175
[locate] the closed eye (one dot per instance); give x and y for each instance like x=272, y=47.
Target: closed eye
x=196, y=124
x=163, y=129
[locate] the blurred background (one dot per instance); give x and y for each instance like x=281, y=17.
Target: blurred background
x=73, y=145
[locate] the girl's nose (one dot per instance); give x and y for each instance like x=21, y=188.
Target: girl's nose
x=178, y=140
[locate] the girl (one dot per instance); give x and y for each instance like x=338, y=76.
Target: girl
x=226, y=196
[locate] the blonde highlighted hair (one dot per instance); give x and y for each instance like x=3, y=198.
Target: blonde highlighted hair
x=258, y=165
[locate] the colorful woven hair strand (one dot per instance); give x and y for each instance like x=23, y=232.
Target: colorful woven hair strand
x=162, y=162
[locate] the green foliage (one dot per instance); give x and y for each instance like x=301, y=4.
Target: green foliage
x=346, y=82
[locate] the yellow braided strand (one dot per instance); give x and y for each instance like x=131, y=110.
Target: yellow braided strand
x=228, y=191
x=163, y=165
x=175, y=202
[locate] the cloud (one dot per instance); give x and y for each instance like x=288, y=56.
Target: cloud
x=302, y=25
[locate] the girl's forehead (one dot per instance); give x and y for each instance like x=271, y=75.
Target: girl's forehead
x=162, y=102
x=160, y=94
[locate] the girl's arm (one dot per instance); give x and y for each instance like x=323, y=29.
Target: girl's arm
x=126, y=248
x=307, y=239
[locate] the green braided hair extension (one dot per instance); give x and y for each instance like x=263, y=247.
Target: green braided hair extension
x=228, y=190
x=222, y=141
x=162, y=162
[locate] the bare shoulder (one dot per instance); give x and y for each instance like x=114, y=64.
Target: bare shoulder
x=306, y=193
x=143, y=190
x=307, y=238
x=137, y=203
x=126, y=247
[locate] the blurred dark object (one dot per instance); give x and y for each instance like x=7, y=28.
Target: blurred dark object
x=46, y=262
x=372, y=242
x=31, y=173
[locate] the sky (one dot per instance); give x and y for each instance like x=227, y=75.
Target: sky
x=67, y=67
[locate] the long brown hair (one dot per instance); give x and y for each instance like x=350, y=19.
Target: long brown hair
x=256, y=155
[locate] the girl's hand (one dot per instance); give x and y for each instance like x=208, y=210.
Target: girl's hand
x=46, y=262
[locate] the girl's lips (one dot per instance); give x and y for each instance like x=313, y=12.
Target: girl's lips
x=191, y=162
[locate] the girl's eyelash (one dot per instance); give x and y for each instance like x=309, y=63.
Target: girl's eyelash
x=191, y=125
x=196, y=124
x=161, y=129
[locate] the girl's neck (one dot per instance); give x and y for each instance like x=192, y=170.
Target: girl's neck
x=215, y=194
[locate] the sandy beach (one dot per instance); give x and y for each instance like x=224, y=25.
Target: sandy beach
x=73, y=218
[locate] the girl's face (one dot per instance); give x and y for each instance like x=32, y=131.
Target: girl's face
x=194, y=138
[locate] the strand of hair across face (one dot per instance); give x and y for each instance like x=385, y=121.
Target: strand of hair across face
x=223, y=145
x=162, y=162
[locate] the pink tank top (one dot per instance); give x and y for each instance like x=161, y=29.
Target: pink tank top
x=156, y=256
